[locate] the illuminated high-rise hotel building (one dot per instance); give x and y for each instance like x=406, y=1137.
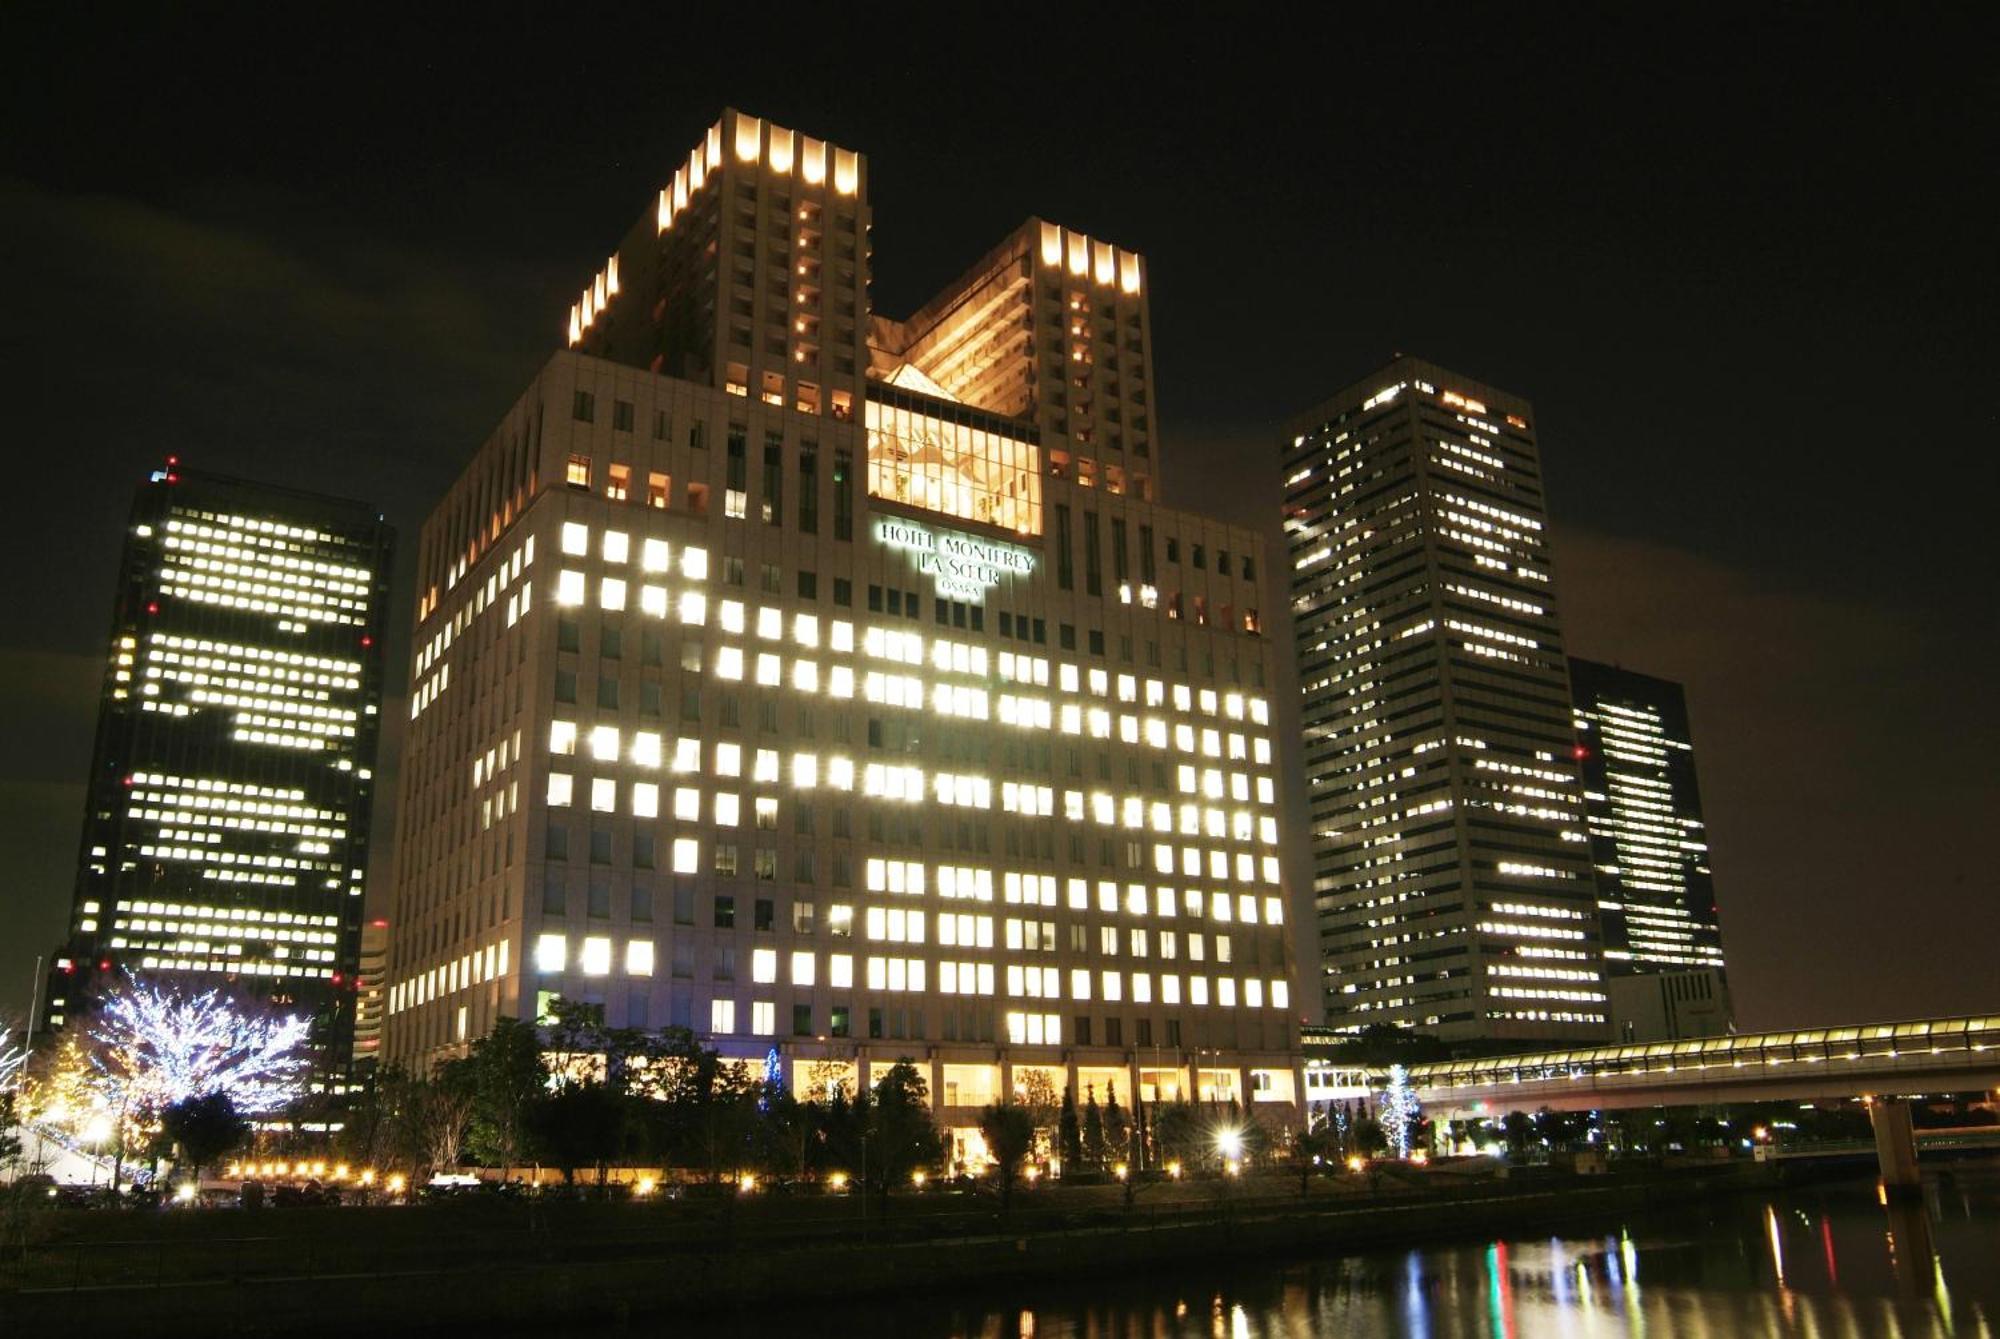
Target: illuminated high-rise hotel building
x=1451, y=863
x=833, y=685
x=1656, y=898
x=226, y=823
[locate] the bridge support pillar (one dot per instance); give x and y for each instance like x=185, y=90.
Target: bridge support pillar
x=1895, y=1147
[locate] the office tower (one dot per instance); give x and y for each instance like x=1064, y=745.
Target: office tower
x=1451, y=867
x=371, y=977
x=770, y=685
x=226, y=824
x=1655, y=897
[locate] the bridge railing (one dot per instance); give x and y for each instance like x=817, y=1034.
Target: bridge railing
x=1834, y=1046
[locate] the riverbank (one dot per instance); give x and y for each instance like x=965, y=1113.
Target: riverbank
x=477, y=1263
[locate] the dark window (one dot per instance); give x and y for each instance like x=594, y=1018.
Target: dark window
x=841, y=1024
x=607, y=691
x=583, y=407
x=1146, y=554
x=1118, y=559
x=808, y=489
x=644, y=849
x=568, y=637
x=802, y=1020
x=600, y=849
x=621, y=415
x=1093, y=559
x=765, y=913
x=565, y=685
x=558, y=846
x=642, y=903
x=808, y=585
x=610, y=643
x=774, y=479
x=1114, y=1032
x=725, y=911
x=1080, y=1028
x=843, y=493
x=1066, y=636
x=1065, y=568
x=843, y=592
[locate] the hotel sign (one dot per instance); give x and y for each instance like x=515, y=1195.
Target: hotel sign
x=963, y=567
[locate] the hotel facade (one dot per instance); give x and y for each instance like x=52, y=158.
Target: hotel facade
x=226, y=822
x=1452, y=864
x=835, y=686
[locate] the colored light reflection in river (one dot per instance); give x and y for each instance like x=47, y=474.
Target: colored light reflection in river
x=1827, y=1260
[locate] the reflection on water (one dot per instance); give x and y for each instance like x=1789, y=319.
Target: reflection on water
x=1830, y=1261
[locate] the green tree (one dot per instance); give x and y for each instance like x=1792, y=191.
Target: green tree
x=508, y=1080
x=203, y=1128
x=1093, y=1129
x=1010, y=1135
x=1117, y=1127
x=1072, y=1133
x=905, y=1137
x=1176, y=1131
x=578, y=1125
x=1036, y=1093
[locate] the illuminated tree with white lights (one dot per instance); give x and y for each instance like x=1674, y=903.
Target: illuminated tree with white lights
x=1400, y=1112
x=154, y=1047
x=12, y=1059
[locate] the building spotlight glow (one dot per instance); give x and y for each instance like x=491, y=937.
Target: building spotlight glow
x=1230, y=1144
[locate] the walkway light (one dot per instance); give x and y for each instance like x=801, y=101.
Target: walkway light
x=1230, y=1144
x=1356, y=1163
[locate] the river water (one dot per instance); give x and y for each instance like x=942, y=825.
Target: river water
x=1829, y=1260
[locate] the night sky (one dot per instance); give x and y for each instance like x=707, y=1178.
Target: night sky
x=1741, y=266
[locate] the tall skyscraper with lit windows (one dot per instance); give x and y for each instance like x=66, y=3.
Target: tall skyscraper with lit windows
x=1451, y=861
x=832, y=685
x=226, y=825
x=1656, y=897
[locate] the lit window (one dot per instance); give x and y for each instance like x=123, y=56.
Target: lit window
x=802, y=968
x=604, y=743
x=561, y=787
x=617, y=546
x=639, y=957
x=729, y=759
x=729, y=663
x=611, y=593
x=645, y=800
x=722, y=1016
x=730, y=613
x=551, y=951
x=727, y=810
x=763, y=1018
x=687, y=855
x=569, y=588
x=840, y=971
x=694, y=564
x=646, y=748
x=576, y=539
x=596, y=956
x=653, y=555
x=764, y=965
x=694, y=608
x=687, y=805
x=604, y=795
x=562, y=737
